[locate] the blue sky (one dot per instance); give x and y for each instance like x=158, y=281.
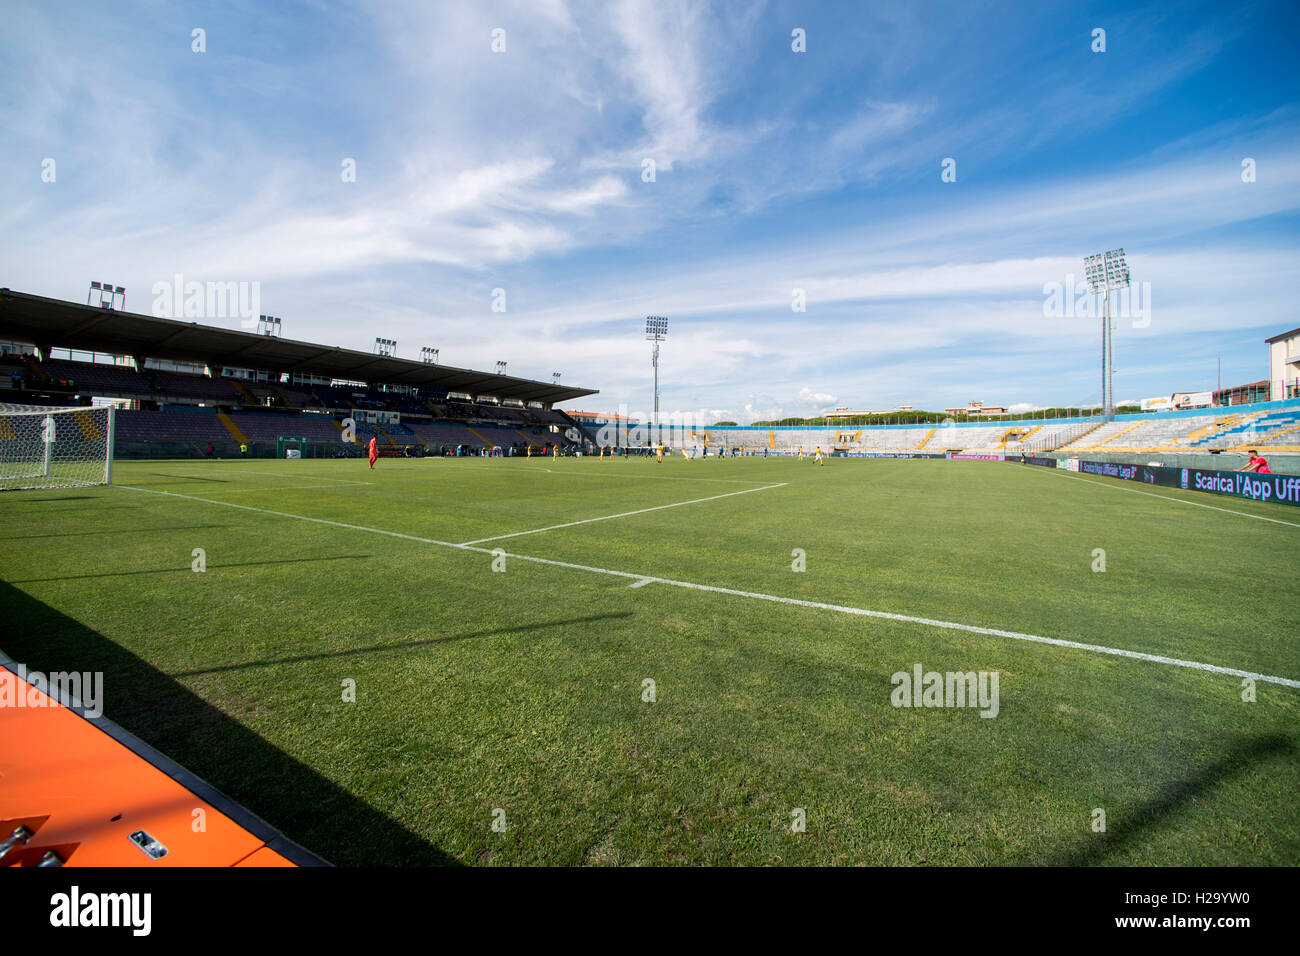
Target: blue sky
x=775, y=171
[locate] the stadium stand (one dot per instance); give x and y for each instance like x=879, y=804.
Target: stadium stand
x=192, y=386
x=170, y=426
x=103, y=379
x=269, y=426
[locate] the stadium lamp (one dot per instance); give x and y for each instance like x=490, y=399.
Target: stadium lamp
x=501, y=368
x=1106, y=272
x=385, y=347
x=555, y=378
x=428, y=355
x=98, y=291
x=268, y=325
x=656, y=330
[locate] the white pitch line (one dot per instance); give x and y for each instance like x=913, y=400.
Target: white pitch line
x=625, y=514
x=643, y=579
x=731, y=481
x=272, y=489
x=1183, y=501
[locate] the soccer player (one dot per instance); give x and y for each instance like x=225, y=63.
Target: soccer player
x=659, y=453
x=374, y=450
x=1256, y=464
x=686, y=454
x=818, y=459
x=801, y=452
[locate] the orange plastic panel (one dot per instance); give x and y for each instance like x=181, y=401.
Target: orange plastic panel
x=94, y=792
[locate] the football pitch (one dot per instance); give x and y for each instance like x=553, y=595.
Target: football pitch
x=509, y=661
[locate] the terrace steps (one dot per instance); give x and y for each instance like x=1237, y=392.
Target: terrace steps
x=1077, y=438
x=235, y=431
x=1209, y=432
x=245, y=392
x=926, y=440
x=35, y=368
x=1123, y=431
x=1017, y=435
x=339, y=425
x=1268, y=441
x=89, y=429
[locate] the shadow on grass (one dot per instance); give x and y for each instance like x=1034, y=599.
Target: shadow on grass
x=188, y=569
x=78, y=534
x=303, y=805
x=41, y=501
x=1127, y=825
x=404, y=645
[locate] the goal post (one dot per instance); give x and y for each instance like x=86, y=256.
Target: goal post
x=55, y=446
x=290, y=446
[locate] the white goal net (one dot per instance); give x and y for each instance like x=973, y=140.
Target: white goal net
x=55, y=447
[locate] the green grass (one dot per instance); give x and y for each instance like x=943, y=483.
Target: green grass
x=522, y=690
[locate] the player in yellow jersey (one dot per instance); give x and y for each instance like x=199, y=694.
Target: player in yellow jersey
x=686, y=454
x=555, y=451
x=659, y=453
x=818, y=459
x=801, y=452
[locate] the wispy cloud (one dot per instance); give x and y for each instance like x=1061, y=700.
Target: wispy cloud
x=776, y=171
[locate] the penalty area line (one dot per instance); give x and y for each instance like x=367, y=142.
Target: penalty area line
x=643, y=579
x=625, y=514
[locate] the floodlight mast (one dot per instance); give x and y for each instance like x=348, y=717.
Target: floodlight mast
x=656, y=330
x=99, y=290
x=1107, y=272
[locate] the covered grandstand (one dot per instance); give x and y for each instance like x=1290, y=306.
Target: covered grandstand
x=181, y=387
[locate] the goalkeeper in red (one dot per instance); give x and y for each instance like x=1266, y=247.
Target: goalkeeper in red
x=374, y=450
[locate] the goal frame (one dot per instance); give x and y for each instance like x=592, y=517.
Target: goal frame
x=51, y=421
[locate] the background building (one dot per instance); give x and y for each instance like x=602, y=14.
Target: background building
x=1284, y=365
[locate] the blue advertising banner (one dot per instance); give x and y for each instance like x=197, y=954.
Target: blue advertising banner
x=1242, y=484
x=1284, y=489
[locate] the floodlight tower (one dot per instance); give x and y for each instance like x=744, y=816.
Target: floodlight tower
x=429, y=355
x=98, y=291
x=656, y=330
x=1105, y=273
x=501, y=368
x=385, y=347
